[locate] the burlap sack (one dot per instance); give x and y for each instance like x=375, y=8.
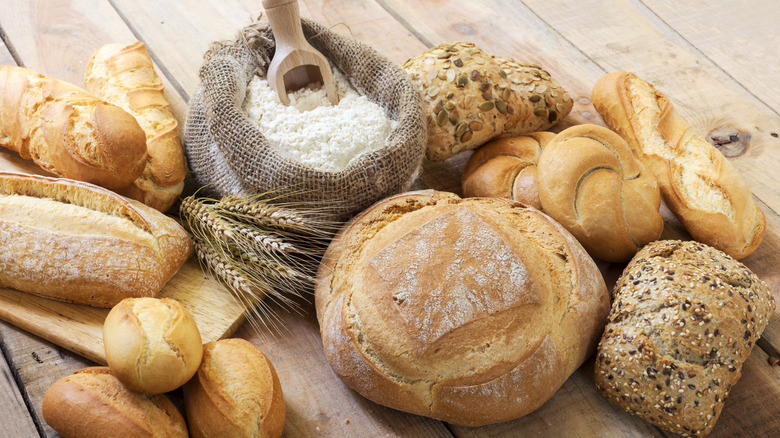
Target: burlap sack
x=227, y=152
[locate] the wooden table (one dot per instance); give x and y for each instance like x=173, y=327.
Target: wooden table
x=717, y=60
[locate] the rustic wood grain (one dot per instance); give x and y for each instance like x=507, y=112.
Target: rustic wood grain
x=15, y=419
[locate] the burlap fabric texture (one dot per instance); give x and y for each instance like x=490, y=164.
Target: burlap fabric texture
x=228, y=154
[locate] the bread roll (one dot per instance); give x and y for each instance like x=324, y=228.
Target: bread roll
x=472, y=311
x=236, y=393
x=472, y=97
x=67, y=131
x=92, y=403
x=697, y=182
x=684, y=319
x=125, y=76
x=152, y=345
x=506, y=168
x=76, y=242
x=591, y=183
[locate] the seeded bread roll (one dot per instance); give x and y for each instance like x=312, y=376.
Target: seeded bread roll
x=67, y=131
x=472, y=311
x=92, y=403
x=76, y=242
x=235, y=393
x=506, y=168
x=591, y=183
x=684, y=319
x=152, y=345
x=125, y=76
x=472, y=97
x=697, y=182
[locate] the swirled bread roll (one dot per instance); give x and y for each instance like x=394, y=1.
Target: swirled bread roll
x=472, y=97
x=506, y=168
x=697, y=182
x=591, y=183
x=473, y=311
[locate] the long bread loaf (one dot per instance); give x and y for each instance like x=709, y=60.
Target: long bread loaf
x=125, y=76
x=68, y=131
x=76, y=242
x=697, y=182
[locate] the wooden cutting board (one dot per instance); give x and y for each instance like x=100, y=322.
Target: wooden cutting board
x=80, y=328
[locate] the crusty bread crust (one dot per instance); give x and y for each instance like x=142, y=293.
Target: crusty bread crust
x=67, y=131
x=473, y=311
x=697, y=182
x=76, y=242
x=92, y=403
x=684, y=319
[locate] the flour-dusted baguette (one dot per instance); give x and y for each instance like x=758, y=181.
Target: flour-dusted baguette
x=92, y=403
x=76, y=242
x=125, y=76
x=697, y=182
x=684, y=319
x=67, y=131
x=472, y=97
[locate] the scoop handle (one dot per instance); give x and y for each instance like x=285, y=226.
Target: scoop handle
x=285, y=19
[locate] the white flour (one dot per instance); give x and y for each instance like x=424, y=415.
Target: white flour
x=314, y=132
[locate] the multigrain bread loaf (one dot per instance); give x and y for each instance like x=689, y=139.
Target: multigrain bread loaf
x=506, y=168
x=92, y=403
x=67, y=131
x=684, y=319
x=591, y=183
x=472, y=97
x=76, y=242
x=472, y=311
x=235, y=393
x=152, y=344
x=125, y=76
x=697, y=182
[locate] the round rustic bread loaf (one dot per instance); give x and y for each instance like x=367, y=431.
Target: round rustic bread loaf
x=152, y=344
x=235, y=393
x=473, y=311
x=684, y=319
x=591, y=183
x=506, y=168
x=93, y=403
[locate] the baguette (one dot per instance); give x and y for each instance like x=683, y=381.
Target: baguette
x=67, y=131
x=76, y=242
x=697, y=182
x=125, y=76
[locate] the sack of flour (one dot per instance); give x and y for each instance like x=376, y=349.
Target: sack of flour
x=228, y=154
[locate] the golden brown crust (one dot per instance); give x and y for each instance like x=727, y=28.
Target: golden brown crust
x=472, y=97
x=443, y=307
x=125, y=76
x=684, y=318
x=698, y=184
x=76, y=242
x=592, y=184
x=506, y=168
x=152, y=345
x=93, y=403
x=235, y=392
x=68, y=131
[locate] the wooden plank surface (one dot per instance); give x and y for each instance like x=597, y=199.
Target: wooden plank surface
x=15, y=419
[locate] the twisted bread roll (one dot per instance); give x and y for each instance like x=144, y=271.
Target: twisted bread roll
x=506, y=168
x=67, y=131
x=472, y=97
x=591, y=183
x=125, y=76
x=697, y=182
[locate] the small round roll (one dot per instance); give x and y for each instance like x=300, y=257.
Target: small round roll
x=591, y=183
x=152, y=344
x=506, y=168
x=93, y=403
x=235, y=393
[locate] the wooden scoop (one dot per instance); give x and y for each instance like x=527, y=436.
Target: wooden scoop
x=296, y=63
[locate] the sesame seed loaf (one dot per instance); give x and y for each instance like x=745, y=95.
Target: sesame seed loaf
x=684, y=319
